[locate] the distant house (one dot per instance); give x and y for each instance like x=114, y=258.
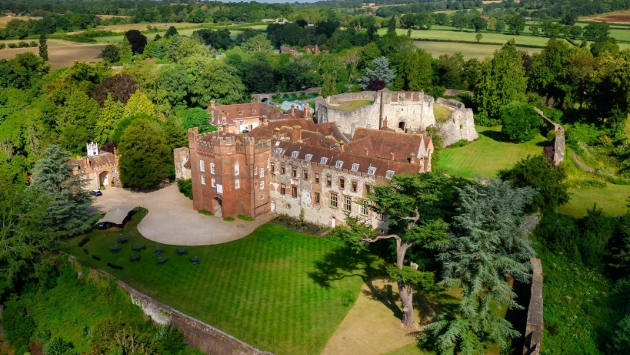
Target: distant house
x=312, y=48
x=282, y=21
x=285, y=49
x=98, y=168
x=10, y=14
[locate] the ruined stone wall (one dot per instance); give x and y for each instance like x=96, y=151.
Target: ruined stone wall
x=558, y=141
x=321, y=213
x=181, y=156
x=365, y=116
x=535, y=324
x=459, y=126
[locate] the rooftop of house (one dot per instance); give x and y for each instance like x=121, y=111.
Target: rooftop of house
x=386, y=144
x=104, y=158
x=227, y=114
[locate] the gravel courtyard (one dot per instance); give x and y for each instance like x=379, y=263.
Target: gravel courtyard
x=172, y=219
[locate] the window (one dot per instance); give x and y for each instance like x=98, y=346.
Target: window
x=317, y=198
x=202, y=165
x=379, y=215
x=328, y=180
x=203, y=180
x=347, y=203
x=308, y=157
x=323, y=160
x=213, y=182
x=317, y=178
x=212, y=170
x=278, y=150
x=273, y=168
x=283, y=170
x=355, y=167
x=283, y=189
x=371, y=170
x=389, y=174
x=342, y=184
x=294, y=172
x=333, y=200
x=237, y=183
x=353, y=186
x=338, y=164
x=294, y=191
x=236, y=169
x=294, y=154
x=368, y=189
x=255, y=170
x=363, y=208
x=262, y=185
x=262, y=196
x=262, y=172
x=305, y=173
x=277, y=143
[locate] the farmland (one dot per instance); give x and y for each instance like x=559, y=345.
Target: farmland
x=622, y=17
x=469, y=50
x=61, y=53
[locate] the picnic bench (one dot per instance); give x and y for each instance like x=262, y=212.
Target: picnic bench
x=181, y=252
x=115, y=249
x=159, y=250
x=133, y=258
x=195, y=260
x=138, y=247
x=123, y=240
x=161, y=260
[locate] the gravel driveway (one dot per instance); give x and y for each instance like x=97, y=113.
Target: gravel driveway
x=172, y=219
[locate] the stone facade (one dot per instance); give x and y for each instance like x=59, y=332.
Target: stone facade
x=460, y=125
x=182, y=163
x=97, y=168
x=409, y=111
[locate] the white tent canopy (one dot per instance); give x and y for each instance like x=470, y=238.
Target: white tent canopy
x=117, y=214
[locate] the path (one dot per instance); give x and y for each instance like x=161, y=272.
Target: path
x=172, y=220
x=581, y=165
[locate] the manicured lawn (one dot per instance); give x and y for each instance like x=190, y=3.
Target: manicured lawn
x=469, y=50
x=441, y=113
x=487, y=155
x=612, y=199
x=257, y=288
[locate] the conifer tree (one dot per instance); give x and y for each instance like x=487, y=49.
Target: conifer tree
x=391, y=25
x=43, y=47
x=125, y=51
x=69, y=201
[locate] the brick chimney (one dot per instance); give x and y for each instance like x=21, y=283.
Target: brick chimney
x=276, y=133
x=366, y=152
x=265, y=121
x=307, y=111
x=342, y=145
x=296, y=134
x=292, y=110
x=212, y=103
x=412, y=159
x=392, y=155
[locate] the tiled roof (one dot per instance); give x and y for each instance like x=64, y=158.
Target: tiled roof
x=104, y=158
x=333, y=156
x=382, y=144
x=250, y=110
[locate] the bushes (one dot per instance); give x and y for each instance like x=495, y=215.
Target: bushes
x=12, y=45
x=185, y=187
x=521, y=122
x=245, y=218
x=206, y=212
x=2, y=45
x=229, y=219
x=22, y=44
x=18, y=326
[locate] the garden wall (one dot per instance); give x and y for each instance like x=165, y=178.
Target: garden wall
x=535, y=324
x=558, y=141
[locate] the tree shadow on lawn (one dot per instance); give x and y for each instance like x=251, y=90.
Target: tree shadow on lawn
x=344, y=262
x=496, y=136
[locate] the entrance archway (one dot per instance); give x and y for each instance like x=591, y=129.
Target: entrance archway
x=103, y=179
x=401, y=125
x=216, y=206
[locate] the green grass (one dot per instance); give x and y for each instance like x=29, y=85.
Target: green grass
x=612, y=200
x=469, y=50
x=469, y=35
x=441, y=113
x=257, y=288
x=353, y=104
x=245, y=218
x=487, y=155
x=150, y=36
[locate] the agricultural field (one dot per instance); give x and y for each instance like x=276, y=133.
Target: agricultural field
x=622, y=17
x=4, y=20
x=488, y=37
x=61, y=53
x=150, y=36
x=143, y=26
x=469, y=50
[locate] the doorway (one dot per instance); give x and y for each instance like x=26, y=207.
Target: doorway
x=216, y=206
x=333, y=222
x=103, y=179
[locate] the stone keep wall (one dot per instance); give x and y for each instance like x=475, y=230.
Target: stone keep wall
x=535, y=324
x=460, y=125
x=558, y=141
x=181, y=156
x=413, y=109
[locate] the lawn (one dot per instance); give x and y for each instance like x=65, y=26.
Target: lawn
x=612, y=199
x=441, y=113
x=352, y=104
x=469, y=35
x=469, y=50
x=257, y=288
x=487, y=155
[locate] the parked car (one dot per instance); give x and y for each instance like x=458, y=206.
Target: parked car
x=104, y=225
x=97, y=193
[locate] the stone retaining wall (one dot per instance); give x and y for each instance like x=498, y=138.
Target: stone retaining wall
x=558, y=141
x=532, y=342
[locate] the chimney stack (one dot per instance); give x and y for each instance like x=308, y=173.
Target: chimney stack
x=412, y=159
x=292, y=110
x=392, y=155
x=296, y=134
x=366, y=151
x=212, y=103
x=341, y=145
x=276, y=133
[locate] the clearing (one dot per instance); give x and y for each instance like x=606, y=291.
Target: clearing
x=350, y=105
x=60, y=53
x=276, y=289
x=611, y=199
x=469, y=50
x=622, y=16
x=150, y=36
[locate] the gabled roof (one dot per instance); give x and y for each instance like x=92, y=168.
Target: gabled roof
x=227, y=114
x=382, y=144
x=104, y=158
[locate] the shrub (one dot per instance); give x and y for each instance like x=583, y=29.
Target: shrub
x=33, y=44
x=229, y=219
x=206, y=212
x=460, y=143
x=2, y=45
x=12, y=45
x=18, y=325
x=245, y=218
x=57, y=347
x=521, y=122
x=185, y=187
x=22, y=44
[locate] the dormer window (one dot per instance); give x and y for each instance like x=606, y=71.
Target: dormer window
x=278, y=150
x=294, y=154
x=355, y=167
x=371, y=170
x=308, y=157
x=323, y=160
x=240, y=112
x=277, y=143
x=253, y=111
x=389, y=174
x=338, y=164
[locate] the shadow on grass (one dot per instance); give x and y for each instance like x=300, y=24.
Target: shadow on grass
x=385, y=295
x=496, y=136
x=344, y=262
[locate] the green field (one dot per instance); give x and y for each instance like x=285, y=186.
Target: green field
x=469, y=35
x=353, y=104
x=150, y=36
x=612, y=199
x=257, y=288
x=469, y=50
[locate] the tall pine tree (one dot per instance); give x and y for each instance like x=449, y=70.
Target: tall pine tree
x=125, y=51
x=43, y=47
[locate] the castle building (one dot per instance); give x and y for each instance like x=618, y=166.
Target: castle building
x=98, y=168
x=242, y=118
x=295, y=167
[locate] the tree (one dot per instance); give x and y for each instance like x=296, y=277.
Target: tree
x=196, y=117
x=449, y=70
x=478, y=37
x=145, y=159
x=139, y=103
x=596, y=30
x=516, y=24
x=459, y=20
x=67, y=213
x=43, y=48
x=569, y=18
x=137, y=40
x=520, y=121
x=415, y=72
x=499, y=26
x=391, y=25
x=120, y=86
x=258, y=43
x=380, y=71
x=25, y=240
x=111, y=112
x=111, y=53
x=486, y=245
x=412, y=204
x=479, y=24
x=125, y=51
x=172, y=31
x=502, y=81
